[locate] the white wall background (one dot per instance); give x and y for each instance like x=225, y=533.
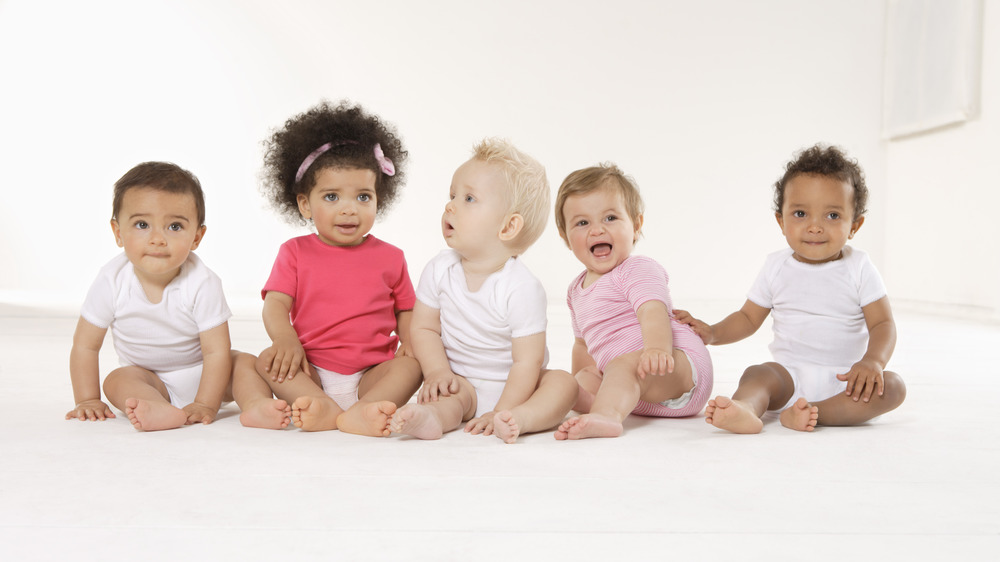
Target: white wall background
x=702, y=102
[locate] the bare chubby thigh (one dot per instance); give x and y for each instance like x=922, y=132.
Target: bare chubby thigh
x=656, y=388
x=133, y=373
x=672, y=385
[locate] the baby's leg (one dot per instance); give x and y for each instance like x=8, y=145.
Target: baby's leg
x=382, y=390
x=431, y=420
x=252, y=394
x=144, y=399
x=762, y=387
x=844, y=410
x=588, y=382
x=544, y=409
x=617, y=396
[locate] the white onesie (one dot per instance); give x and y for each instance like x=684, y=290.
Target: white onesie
x=161, y=337
x=477, y=326
x=819, y=327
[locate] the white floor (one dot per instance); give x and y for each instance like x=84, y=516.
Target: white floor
x=921, y=483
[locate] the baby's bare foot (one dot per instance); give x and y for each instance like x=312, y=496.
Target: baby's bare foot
x=148, y=415
x=589, y=425
x=315, y=413
x=800, y=416
x=367, y=418
x=732, y=415
x=505, y=426
x=416, y=420
x=267, y=413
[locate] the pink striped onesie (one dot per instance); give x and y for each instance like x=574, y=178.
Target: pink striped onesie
x=604, y=315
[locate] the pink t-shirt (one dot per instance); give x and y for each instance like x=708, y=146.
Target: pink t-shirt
x=345, y=299
x=604, y=314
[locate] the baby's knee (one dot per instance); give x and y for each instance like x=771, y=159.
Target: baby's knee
x=895, y=389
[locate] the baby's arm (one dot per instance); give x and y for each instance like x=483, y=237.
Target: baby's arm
x=865, y=376
x=84, y=372
x=739, y=325
x=657, y=339
x=286, y=355
x=428, y=348
x=528, y=353
x=215, y=374
x=403, y=321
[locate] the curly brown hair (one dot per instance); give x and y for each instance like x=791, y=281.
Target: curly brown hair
x=353, y=134
x=827, y=161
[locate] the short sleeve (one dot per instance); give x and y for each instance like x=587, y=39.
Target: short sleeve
x=99, y=305
x=403, y=292
x=527, y=307
x=871, y=287
x=641, y=280
x=283, y=272
x=430, y=280
x=210, y=308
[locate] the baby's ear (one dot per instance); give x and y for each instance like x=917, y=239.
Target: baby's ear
x=638, y=229
x=856, y=226
x=118, y=233
x=512, y=226
x=198, y=236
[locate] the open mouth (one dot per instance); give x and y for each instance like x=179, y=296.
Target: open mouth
x=600, y=250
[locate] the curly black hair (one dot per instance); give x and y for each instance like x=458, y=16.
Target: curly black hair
x=353, y=134
x=827, y=161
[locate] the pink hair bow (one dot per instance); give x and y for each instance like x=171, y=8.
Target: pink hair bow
x=384, y=163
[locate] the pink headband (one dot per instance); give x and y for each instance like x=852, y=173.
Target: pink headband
x=383, y=163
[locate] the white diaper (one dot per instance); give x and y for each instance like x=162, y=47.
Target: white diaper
x=182, y=384
x=814, y=383
x=683, y=399
x=342, y=388
x=487, y=394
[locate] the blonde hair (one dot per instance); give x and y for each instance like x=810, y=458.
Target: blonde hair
x=603, y=176
x=527, y=191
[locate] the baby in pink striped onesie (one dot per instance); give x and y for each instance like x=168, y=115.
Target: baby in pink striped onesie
x=630, y=355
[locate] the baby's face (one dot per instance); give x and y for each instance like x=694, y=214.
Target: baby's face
x=342, y=205
x=599, y=230
x=157, y=229
x=476, y=209
x=817, y=217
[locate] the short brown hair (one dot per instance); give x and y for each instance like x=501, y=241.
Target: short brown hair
x=586, y=180
x=163, y=176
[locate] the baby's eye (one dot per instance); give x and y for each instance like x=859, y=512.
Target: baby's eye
x=833, y=216
x=798, y=214
x=610, y=218
x=582, y=223
x=141, y=225
x=469, y=199
x=330, y=197
x=176, y=227
x=364, y=197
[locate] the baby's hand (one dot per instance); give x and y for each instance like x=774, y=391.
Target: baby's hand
x=285, y=358
x=864, y=378
x=199, y=413
x=91, y=410
x=483, y=424
x=703, y=330
x=654, y=361
x=438, y=387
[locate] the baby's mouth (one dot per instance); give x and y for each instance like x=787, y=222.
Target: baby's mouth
x=600, y=250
